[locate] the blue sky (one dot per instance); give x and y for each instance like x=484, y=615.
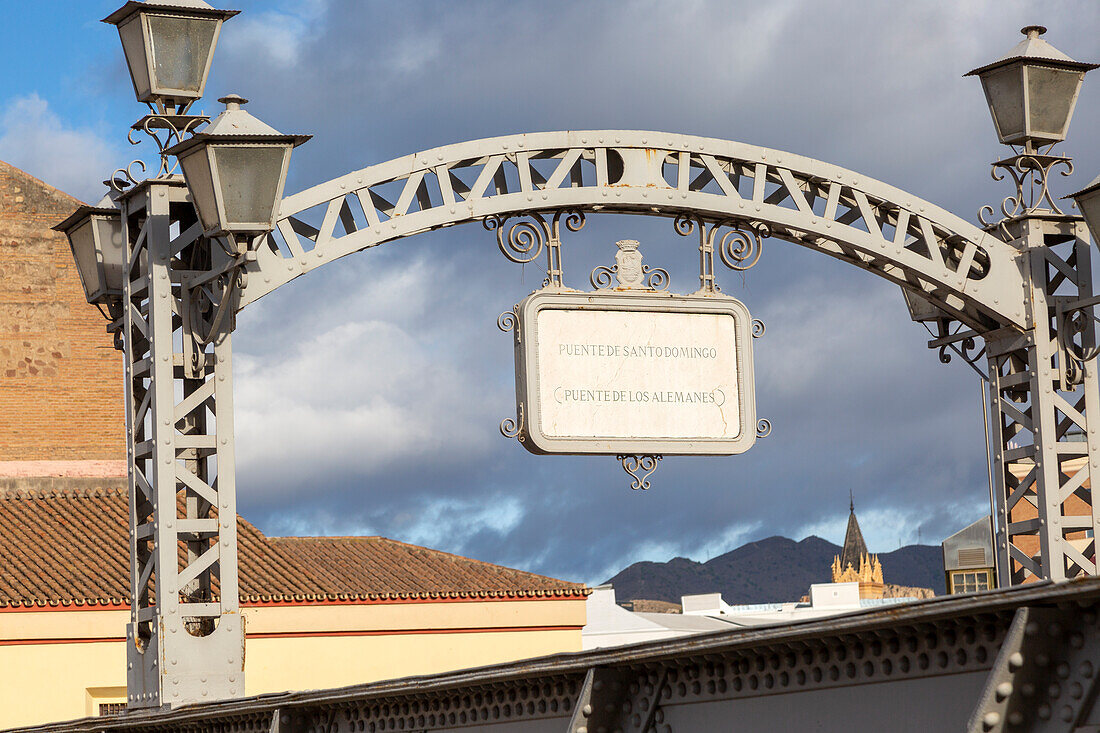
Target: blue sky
x=369, y=392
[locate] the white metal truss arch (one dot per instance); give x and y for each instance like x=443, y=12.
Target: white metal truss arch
x=969, y=273
x=1024, y=295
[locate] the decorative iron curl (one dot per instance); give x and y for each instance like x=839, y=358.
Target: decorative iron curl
x=574, y=221
x=173, y=128
x=657, y=278
x=963, y=349
x=123, y=178
x=512, y=427
x=1075, y=322
x=640, y=469
x=685, y=224
x=1030, y=173
x=965, y=346
x=758, y=328
x=204, y=302
x=602, y=276
x=763, y=427
x=508, y=320
x=525, y=239
x=740, y=249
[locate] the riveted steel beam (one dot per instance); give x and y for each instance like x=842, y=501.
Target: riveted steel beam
x=935, y=665
x=960, y=268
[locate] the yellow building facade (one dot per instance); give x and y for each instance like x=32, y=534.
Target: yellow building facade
x=319, y=612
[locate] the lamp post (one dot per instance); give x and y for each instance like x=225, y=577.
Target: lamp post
x=1042, y=470
x=164, y=258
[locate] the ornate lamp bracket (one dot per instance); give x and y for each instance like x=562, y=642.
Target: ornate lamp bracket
x=1030, y=172
x=527, y=238
x=166, y=130
x=962, y=341
x=739, y=247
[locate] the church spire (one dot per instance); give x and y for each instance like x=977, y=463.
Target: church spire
x=855, y=549
x=854, y=563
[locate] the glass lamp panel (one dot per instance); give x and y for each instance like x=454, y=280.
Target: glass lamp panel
x=82, y=242
x=1051, y=94
x=196, y=171
x=181, y=48
x=1089, y=206
x=108, y=231
x=1005, y=91
x=133, y=46
x=250, y=178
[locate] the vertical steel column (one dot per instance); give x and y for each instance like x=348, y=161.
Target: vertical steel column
x=1045, y=448
x=185, y=637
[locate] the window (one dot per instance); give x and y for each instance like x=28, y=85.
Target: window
x=971, y=581
x=111, y=708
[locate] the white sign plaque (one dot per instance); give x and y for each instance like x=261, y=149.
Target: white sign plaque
x=635, y=373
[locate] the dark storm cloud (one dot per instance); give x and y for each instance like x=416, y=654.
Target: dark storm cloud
x=368, y=394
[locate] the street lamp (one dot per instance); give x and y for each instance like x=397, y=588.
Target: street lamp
x=168, y=45
x=235, y=170
x=1032, y=90
x=1088, y=203
x=95, y=238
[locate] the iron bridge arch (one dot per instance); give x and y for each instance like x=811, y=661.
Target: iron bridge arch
x=968, y=273
x=1023, y=286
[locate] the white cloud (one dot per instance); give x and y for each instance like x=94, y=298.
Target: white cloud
x=275, y=36
x=333, y=391
x=358, y=398
x=456, y=521
x=73, y=159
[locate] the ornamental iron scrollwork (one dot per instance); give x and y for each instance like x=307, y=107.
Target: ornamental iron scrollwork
x=640, y=469
x=512, y=427
x=739, y=246
x=1030, y=172
x=509, y=321
x=527, y=238
x=628, y=271
x=123, y=178
x=1077, y=320
x=166, y=130
x=961, y=343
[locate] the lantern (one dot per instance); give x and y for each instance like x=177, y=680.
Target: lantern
x=1031, y=91
x=168, y=45
x=95, y=238
x=235, y=170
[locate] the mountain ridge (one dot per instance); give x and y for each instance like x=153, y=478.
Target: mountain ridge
x=769, y=570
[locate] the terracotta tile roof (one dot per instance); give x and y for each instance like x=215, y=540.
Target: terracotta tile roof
x=72, y=548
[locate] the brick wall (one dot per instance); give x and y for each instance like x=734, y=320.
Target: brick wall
x=60, y=378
